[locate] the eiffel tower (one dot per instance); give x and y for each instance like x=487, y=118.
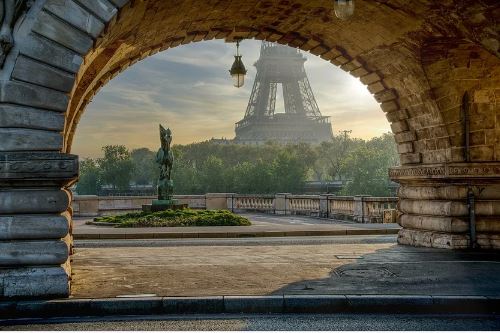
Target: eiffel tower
x=302, y=121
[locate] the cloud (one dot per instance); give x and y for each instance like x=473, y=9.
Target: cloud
x=189, y=88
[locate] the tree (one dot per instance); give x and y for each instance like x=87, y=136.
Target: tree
x=386, y=146
x=116, y=167
x=89, y=182
x=257, y=177
x=185, y=177
x=145, y=168
x=366, y=167
x=289, y=172
x=212, y=174
x=206, y=167
x=333, y=153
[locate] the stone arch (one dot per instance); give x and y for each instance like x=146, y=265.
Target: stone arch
x=66, y=50
x=107, y=38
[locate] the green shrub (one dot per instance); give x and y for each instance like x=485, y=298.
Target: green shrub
x=176, y=218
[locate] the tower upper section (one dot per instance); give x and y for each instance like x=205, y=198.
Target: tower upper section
x=281, y=65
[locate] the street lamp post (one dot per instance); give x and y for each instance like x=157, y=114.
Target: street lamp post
x=344, y=9
x=238, y=70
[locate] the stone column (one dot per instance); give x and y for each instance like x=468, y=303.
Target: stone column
x=35, y=223
x=439, y=202
x=323, y=205
x=282, y=203
x=359, y=209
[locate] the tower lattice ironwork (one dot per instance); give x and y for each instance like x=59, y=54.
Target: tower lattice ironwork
x=302, y=120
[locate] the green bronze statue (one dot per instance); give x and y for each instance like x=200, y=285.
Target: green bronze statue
x=165, y=159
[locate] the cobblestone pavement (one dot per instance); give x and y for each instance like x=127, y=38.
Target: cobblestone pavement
x=245, y=268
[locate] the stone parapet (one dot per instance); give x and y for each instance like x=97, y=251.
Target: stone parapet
x=368, y=210
x=218, y=200
x=93, y=205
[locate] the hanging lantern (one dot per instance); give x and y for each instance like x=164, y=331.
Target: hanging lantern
x=238, y=70
x=344, y=9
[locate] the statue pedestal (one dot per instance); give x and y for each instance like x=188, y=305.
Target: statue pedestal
x=159, y=205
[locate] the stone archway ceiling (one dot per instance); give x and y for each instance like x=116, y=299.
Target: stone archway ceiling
x=381, y=44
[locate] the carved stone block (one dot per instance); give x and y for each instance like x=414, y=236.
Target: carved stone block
x=63, y=33
x=33, y=253
x=38, y=168
x=34, y=226
x=31, y=71
x=101, y=8
x=33, y=201
x=72, y=13
x=34, y=282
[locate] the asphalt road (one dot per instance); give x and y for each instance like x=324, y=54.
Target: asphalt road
x=260, y=218
x=267, y=323
x=305, y=240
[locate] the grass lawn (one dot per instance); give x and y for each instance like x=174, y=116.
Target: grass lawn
x=176, y=218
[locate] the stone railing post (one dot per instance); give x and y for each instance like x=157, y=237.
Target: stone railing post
x=231, y=201
x=359, y=208
x=281, y=203
x=434, y=204
x=85, y=205
x=35, y=223
x=324, y=205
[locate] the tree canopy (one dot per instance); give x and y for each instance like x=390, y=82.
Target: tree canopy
x=271, y=168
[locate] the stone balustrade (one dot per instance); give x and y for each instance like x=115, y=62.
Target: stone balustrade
x=304, y=204
x=363, y=209
x=92, y=205
x=341, y=208
x=371, y=209
x=255, y=203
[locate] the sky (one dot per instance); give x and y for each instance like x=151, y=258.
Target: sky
x=189, y=89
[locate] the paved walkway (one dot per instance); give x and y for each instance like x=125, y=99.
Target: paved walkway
x=335, y=265
x=262, y=226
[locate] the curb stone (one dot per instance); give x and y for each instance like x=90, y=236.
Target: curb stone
x=254, y=304
x=166, y=235
x=249, y=304
x=315, y=303
x=209, y=304
x=391, y=303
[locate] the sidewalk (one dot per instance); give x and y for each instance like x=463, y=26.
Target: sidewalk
x=359, y=277
x=265, y=268
x=262, y=226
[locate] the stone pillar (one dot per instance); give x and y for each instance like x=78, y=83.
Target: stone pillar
x=323, y=205
x=35, y=224
x=218, y=200
x=282, y=203
x=359, y=208
x=85, y=205
x=434, y=201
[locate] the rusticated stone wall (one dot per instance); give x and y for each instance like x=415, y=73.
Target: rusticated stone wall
x=432, y=65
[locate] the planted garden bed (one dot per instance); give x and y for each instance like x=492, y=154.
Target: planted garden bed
x=174, y=218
